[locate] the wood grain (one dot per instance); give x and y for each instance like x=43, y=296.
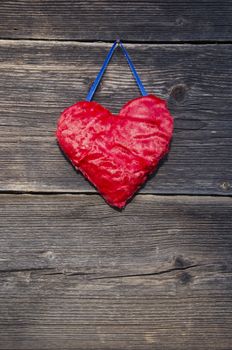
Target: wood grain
x=134, y=20
x=75, y=273
x=38, y=80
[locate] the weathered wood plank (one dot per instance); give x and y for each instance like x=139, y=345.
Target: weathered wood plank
x=106, y=20
x=76, y=273
x=38, y=80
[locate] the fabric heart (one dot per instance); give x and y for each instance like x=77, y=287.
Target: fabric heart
x=116, y=153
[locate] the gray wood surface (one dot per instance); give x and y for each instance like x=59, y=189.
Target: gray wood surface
x=74, y=272
x=38, y=80
x=77, y=274
x=134, y=20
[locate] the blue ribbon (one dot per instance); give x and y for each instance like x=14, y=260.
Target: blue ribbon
x=100, y=74
x=135, y=74
x=104, y=66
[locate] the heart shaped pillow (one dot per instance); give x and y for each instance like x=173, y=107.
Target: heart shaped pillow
x=116, y=153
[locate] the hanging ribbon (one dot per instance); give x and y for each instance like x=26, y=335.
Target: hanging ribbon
x=104, y=66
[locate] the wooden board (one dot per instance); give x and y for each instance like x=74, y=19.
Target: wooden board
x=38, y=80
x=75, y=273
x=106, y=20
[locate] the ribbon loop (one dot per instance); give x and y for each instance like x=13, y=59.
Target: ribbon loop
x=104, y=66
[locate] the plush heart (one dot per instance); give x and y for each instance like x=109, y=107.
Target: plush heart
x=116, y=153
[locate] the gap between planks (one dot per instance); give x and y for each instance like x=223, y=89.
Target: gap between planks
x=139, y=42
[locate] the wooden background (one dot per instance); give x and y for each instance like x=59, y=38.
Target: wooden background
x=74, y=272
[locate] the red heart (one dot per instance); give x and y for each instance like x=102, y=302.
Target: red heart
x=116, y=152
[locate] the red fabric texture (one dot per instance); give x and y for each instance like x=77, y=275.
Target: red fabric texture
x=116, y=153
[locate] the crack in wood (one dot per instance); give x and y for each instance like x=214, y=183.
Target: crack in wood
x=66, y=273
x=149, y=273
x=32, y=269
x=71, y=274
